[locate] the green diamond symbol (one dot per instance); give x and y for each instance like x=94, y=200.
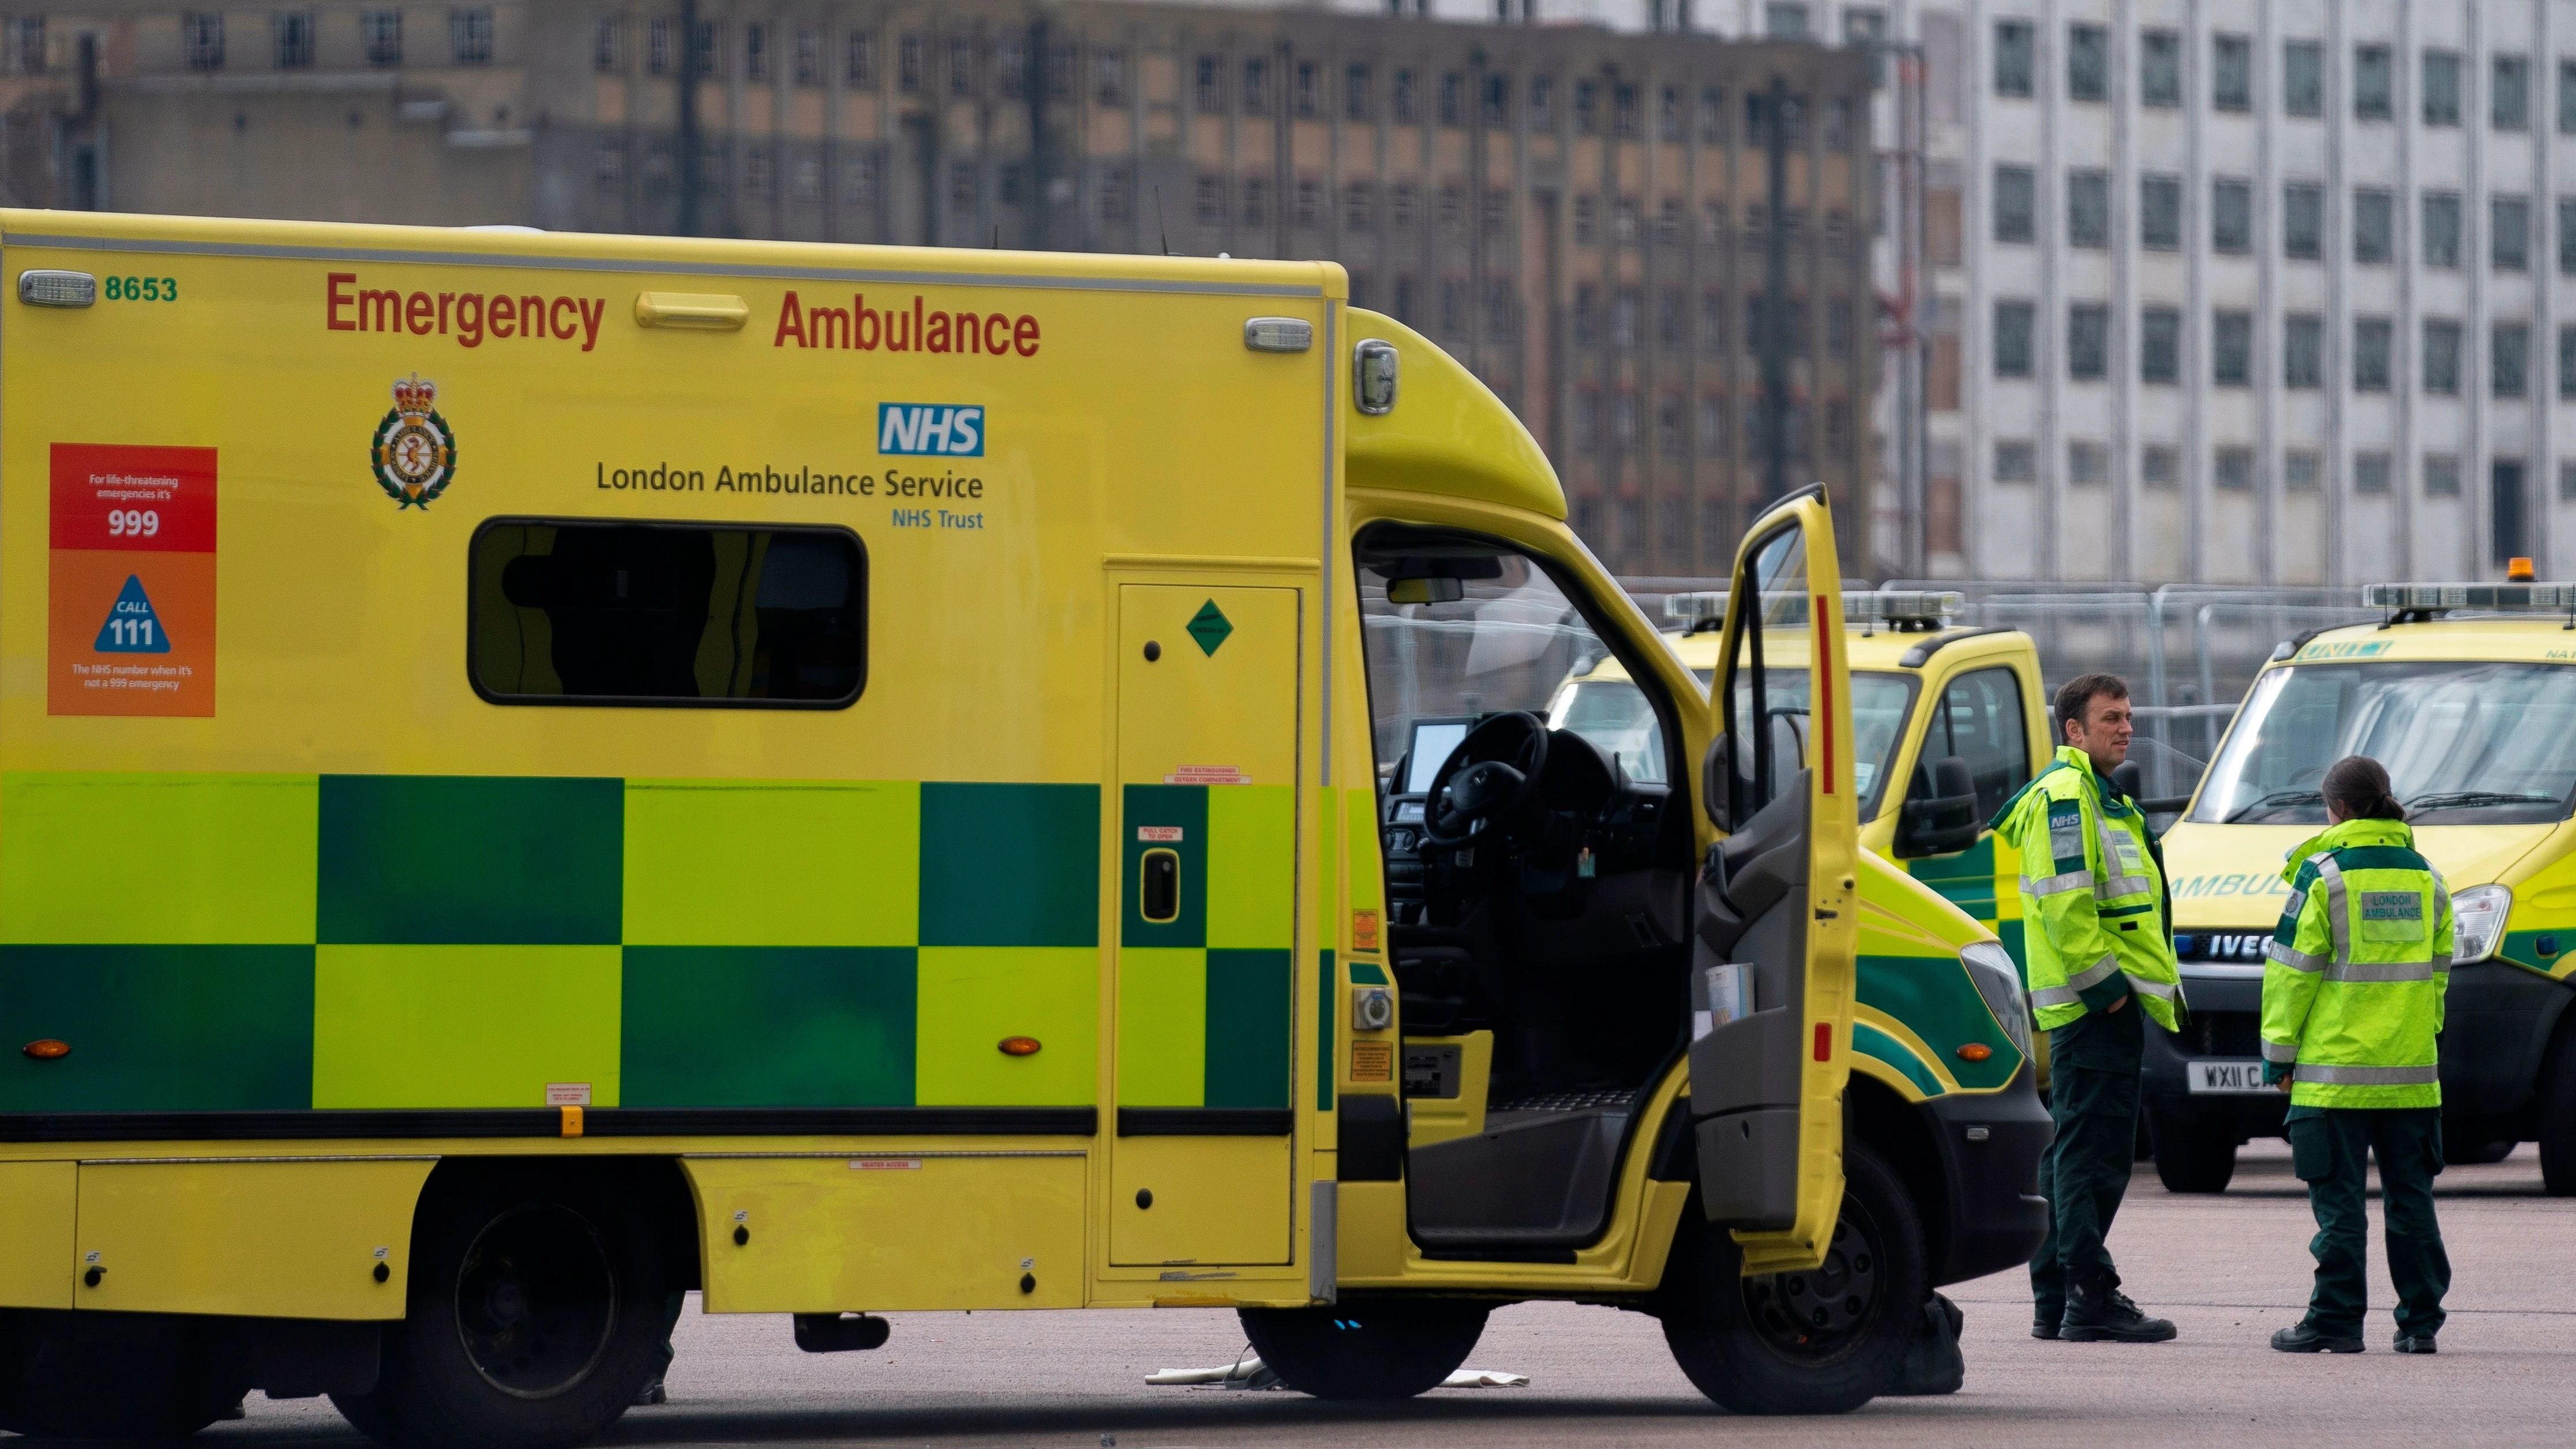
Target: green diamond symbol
x=1209, y=626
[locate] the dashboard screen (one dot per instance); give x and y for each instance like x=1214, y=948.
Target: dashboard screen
x=1433, y=740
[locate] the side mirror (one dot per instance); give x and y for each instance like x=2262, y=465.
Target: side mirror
x=1717, y=781
x=1940, y=812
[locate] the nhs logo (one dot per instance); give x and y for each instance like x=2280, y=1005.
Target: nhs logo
x=939, y=429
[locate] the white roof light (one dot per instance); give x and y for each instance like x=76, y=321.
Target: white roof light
x=2538, y=598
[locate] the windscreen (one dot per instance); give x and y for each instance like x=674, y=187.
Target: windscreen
x=2465, y=743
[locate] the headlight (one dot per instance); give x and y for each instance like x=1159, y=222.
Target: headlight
x=1999, y=982
x=2477, y=921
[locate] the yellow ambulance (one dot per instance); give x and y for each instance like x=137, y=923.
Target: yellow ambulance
x=2467, y=693
x=540, y=772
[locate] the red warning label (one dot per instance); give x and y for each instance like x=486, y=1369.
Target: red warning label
x=131, y=581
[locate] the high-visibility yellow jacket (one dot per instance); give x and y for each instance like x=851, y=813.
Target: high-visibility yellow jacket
x=2095, y=920
x=2352, y=992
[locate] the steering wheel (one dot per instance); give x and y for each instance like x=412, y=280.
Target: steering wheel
x=1491, y=777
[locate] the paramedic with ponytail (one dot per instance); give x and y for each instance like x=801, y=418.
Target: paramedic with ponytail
x=2352, y=1007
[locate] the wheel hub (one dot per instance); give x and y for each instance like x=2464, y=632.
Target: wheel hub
x=536, y=1301
x=1819, y=1311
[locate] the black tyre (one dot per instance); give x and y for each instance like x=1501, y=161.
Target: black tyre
x=111, y=1376
x=2556, y=1125
x=534, y=1318
x=2191, y=1156
x=1386, y=1350
x=1821, y=1342
x=2475, y=1150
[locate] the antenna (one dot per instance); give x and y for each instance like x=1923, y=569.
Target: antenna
x=1161, y=231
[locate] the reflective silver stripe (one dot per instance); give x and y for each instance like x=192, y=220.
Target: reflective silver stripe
x=2380, y=971
x=2057, y=885
x=2332, y=875
x=2294, y=959
x=2048, y=996
x=2095, y=974
x=2281, y=1052
x=2330, y=1076
x=2122, y=885
x=2160, y=989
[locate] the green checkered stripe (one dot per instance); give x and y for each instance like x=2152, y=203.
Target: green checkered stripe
x=248, y=942
x=1204, y=999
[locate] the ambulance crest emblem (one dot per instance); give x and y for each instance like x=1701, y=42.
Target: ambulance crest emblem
x=414, y=451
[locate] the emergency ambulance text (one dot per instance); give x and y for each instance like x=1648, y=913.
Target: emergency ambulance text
x=862, y=328
x=469, y=317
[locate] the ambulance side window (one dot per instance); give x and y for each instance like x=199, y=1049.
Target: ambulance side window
x=564, y=611
x=1980, y=721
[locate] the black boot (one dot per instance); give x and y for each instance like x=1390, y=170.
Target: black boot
x=2302, y=1337
x=2099, y=1311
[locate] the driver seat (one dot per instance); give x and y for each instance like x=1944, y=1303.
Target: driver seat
x=1435, y=973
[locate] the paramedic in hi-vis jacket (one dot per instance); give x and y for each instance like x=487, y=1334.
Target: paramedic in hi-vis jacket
x=2096, y=931
x=2352, y=1013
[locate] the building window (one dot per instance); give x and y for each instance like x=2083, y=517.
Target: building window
x=1208, y=205
x=2303, y=350
x=2509, y=359
x=1671, y=317
x=908, y=65
x=2088, y=209
x=1587, y=422
x=1453, y=99
x=2303, y=220
x=2567, y=361
x=1784, y=20
x=1109, y=77
x=2441, y=475
x=1668, y=114
x=1542, y=103
x=1712, y=223
x=1623, y=101
x=1587, y=224
x=1256, y=201
x=1256, y=87
x=2509, y=93
x=2088, y=341
x=2370, y=472
x=860, y=181
x=2016, y=461
x=1587, y=108
x=1587, y=315
x=1623, y=221
x=293, y=32
x=862, y=72
x=2302, y=470
x=2015, y=191
x=2088, y=464
x=203, y=38
x=1399, y=206
x=1712, y=322
x=809, y=56
x=1310, y=206
x=2159, y=345
x=2160, y=213
x=755, y=52
x=2231, y=216
x=25, y=35
x=2160, y=68
x=2013, y=47
x=2441, y=229
x=2088, y=63
x=2303, y=78
x=2231, y=73
x=1668, y=223
x=2374, y=225
x=470, y=32
x=1712, y=426
x=1403, y=300
x=2013, y=341
x=1405, y=100
x=1838, y=326
x=2441, y=356
x=2160, y=467
x=2374, y=83
x=1627, y=319
x=1668, y=430
x=1210, y=85
x=1623, y=425
x=1712, y=114
x=961, y=64
x=609, y=171
x=2373, y=339
x=2441, y=88
x=2567, y=482
x=756, y=175
x=2509, y=233
x=1356, y=210
x=2234, y=472
x=2567, y=97
x=2231, y=349
x=1356, y=93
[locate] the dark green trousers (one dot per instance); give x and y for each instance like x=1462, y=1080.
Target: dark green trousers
x=2330, y=1149
x=2093, y=1098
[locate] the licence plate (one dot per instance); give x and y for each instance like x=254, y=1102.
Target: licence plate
x=2228, y=1076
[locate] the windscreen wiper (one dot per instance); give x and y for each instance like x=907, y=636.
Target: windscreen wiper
x=2275, y=801
x=2464, y=799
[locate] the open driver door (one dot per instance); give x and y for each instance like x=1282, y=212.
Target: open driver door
x=1772, y=961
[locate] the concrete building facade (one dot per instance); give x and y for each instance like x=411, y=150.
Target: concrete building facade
x=1583, y=216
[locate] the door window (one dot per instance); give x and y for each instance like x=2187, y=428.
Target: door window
x=1980, y=721
x=1768, y=717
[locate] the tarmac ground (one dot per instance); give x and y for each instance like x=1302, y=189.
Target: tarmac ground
x=2228, y=1269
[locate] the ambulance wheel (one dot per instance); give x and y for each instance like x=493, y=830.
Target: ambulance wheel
x=535, y=1315
x=2556, y=1118
x=1824, y=1341
x=110, y=1376
x=2191, y=1156
x=1365, y=1350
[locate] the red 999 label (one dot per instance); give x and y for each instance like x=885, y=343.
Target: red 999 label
x=124, y=497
